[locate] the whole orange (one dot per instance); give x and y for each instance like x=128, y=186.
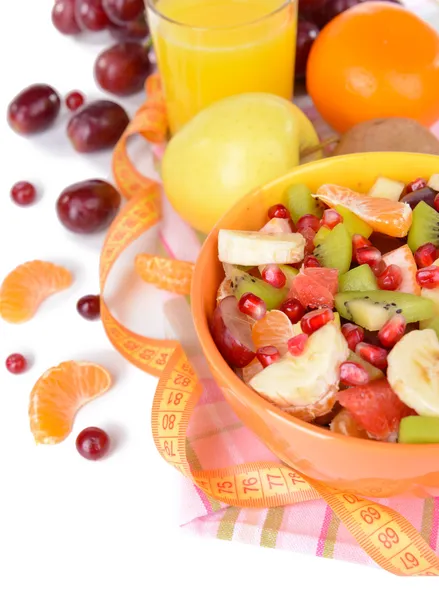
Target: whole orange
x=375, y=60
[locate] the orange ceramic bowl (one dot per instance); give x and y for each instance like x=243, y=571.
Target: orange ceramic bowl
x=366, y=467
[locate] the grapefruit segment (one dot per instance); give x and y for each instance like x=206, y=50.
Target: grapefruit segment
x=403, y=258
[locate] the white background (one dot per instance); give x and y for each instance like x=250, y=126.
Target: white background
x=70, y=528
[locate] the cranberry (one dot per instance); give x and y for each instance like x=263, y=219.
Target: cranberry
x=310, y=221
x=274, y=275
x=425, y=255
x=74, y=100
x=354, y=334
x=23, y=193
x=16, y=364
x=311, y=262
x=358, y=241
x=296, y=344
x=352, y=373
x=89, y=307
x=278, y=211
x=390, y=278
x=92, y=443
x=373, y=354
x=436, y=202
x=392, y=331
x=316, y=319
x=293, y=309
x=267, y=355
x=368, y=255
x=415, y=185
x=428, y=277
x=252, y=305
x=331, y=218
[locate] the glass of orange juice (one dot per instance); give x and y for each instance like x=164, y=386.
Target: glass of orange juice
x=209, y=49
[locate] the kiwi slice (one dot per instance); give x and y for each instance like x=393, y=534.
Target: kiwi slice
x=360, y=279
x=419, y=430
x=353, y=223
x=374, y=373
x=371, y=309
x=322, y=233
x=242, y=282
x=425, y=227
x=335, y=251
x=300, y=202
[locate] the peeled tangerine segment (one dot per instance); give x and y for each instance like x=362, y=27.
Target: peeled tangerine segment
x=413, y=371
x=253, y=248
x=345, y=424
x=353, y=223
x=419, y=430
x=403, y=258
x=27, y=286
x=386, y=188
x=300, y=202
x=243, y=283
x=274, y=329
x=58, y=395
x=305, y=385
x=335, y=251
x=382, y=214
x=372, y=309
x=359, y=279
x=425, y=227
x=165, y=273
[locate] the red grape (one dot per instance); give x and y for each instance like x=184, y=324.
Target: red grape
x=97, y=126
x=63, y=17
x=92, y=443
x=23, y=193
x=91, y=15
x=34, y=109
x=123, y=11
x=88, y=206
x=134, y=31
x=310, y=9
x=231, y=331
x=306, y=34
x=89, y=307
x=74, y=100
x=425, y=194
x=331, y=8
x=123, y=68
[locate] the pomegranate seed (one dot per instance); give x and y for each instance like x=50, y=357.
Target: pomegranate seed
x=390, y=278
x=316, y=319
x=23, y=193
x=16, y=364
x=368, y=255
x=309, y=235
x=425, y=255
x=331, y=218
x=267, y=355
x=436, y=202
x=92, y=443
x=392, y=331
x=374, y=355
x=352, y=373
x=379, y=268
x=278, y=211
x=311, y=261
x=417, y=184
x=74, y=100
x=296, y=344
x=273, y=275
x=310, y=221
x=358, y=241
x=354, y=334
x=293, y=309
x=428, y=277
x=89, y=307
x=252, y=305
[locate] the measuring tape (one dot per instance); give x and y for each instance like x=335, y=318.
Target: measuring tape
x=387, y=537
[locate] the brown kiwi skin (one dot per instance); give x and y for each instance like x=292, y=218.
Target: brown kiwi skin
x=393, y=134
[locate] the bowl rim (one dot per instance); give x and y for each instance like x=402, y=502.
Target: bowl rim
x=218, y=365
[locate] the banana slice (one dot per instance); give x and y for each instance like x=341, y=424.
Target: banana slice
x=305, y=385
x=413, y=371
x=253, y=248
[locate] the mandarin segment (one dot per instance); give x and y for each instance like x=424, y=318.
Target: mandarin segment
x=27, y=286
x=275, y=329
x=58, y=395
x=165, y=273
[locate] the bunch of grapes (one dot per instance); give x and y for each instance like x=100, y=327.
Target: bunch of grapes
x=313, y=16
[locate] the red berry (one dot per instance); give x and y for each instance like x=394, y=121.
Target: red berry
x=316, y=319
x=425, y=255
x=89, y=307
x=374, y=355
x=16, y=364
x=390, y=278
x=92, y=443
x=358, y=241
x=74, y=100
x=378, y=268
x=252, y=305
x=436, y=202
x=296, y=344
x=274, y=275
x=392, y=331
x=417, y=184
x=293, y=309
x=310, y=221
x=23, y=193
x=267, y=355
x=354, y=334
x=309, y=235
x=311, y=261
x=368, y=255
x=331, y=218
x=352, y=373
x=278, y=211
x=428, y=277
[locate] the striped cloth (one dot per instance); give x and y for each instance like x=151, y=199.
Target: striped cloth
x=216, y=437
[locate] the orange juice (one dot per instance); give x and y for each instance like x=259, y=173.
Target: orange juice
x=210, y=49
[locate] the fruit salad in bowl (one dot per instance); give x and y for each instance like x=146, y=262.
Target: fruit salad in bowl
x=323, y=305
